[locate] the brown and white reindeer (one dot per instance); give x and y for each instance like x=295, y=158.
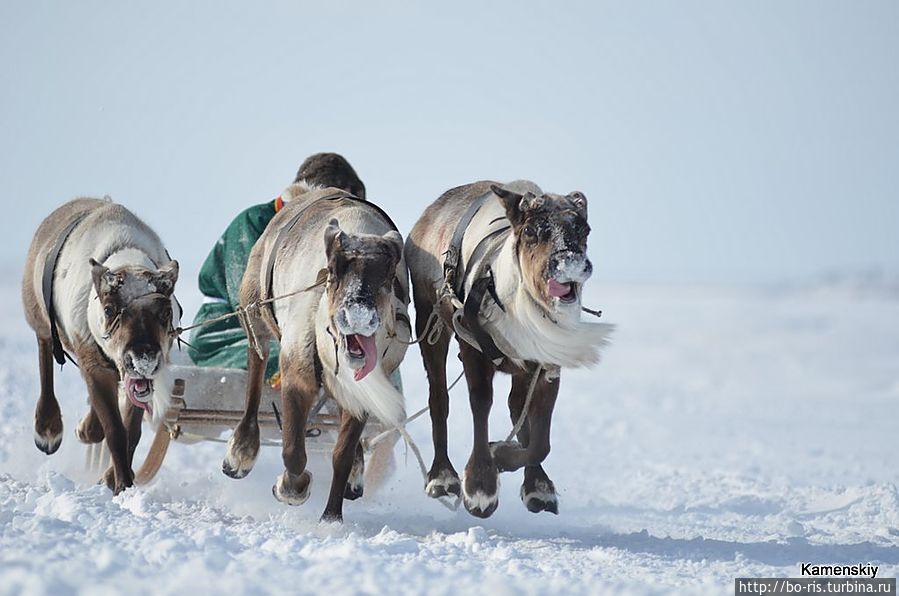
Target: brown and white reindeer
x=98, y=284
x=344, y=334
x=503, y=266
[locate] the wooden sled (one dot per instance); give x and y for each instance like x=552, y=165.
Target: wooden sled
x=208, y=402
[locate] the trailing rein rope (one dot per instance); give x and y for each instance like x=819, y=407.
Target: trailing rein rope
x=242, y=311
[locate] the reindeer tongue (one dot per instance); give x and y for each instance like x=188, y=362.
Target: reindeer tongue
x=139, y=392
x=558, y=290
x=367, y=343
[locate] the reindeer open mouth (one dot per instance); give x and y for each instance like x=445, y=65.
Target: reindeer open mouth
x=362, y=351
x=566, y=292
x=139, y=392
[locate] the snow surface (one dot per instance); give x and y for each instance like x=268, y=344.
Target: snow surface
x=729, y=432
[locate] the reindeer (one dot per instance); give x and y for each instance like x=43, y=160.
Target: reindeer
x=503, y=267
x=342, y=328
x=99, y=284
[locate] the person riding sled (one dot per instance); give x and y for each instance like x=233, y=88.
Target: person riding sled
x=224, y=343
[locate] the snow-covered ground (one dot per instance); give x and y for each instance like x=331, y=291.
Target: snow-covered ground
x=729, y=432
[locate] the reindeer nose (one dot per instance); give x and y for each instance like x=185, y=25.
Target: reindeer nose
x=142, y=362
x=566, y=266
x=358, y=318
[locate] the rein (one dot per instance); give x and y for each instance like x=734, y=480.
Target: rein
x=243, y=311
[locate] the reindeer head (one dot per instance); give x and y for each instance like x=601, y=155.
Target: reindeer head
x=551, y=243
x=134, y=311
x=361, y=273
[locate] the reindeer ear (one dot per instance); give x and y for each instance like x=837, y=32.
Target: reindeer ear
x=579, y=201
x=511, y=201
x=334, y=237
x=165, y=278
x=395, y=242
x=530, y=201
x=104, y=280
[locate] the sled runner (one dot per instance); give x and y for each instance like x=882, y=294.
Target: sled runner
x=208, y=402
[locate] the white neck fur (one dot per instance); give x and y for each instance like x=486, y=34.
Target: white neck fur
x=374, y=394
x=527, y=332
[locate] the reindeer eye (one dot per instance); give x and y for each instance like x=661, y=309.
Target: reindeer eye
x=529, y=231
x=109, y=311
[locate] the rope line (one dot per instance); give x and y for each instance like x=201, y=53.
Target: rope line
x=431, y=334
x=527, y=404
x=243, y=311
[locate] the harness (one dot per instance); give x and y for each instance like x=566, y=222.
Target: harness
x=466, y=309
x=59, y=353
x=285, y=231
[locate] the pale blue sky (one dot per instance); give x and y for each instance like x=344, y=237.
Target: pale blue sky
x=716, y=141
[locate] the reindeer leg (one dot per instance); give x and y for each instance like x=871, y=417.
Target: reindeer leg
x=299, y=390
x=243, y=447
x=89, y=429
x=355, y=486
x=510, y=457
x=103, y=393
x=133, y=418
x=47, y=417
x=442, y=478
x=538, y=493
x=342, y=459
x=479, y=485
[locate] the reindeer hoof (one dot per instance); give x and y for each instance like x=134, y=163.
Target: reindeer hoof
x=540, y=497
x=331, y=518
x=241, y=456
x=293, y=489
x=47, y=441
x=352, y=491
x=116, y=485
x=502, y=452
x=443, y=484
x=479, y=490
x=89, y=430
x=232, y=471
x=47, y=427
x=481, y=504
x=355, y=484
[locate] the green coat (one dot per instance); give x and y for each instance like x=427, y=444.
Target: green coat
x=224, y=343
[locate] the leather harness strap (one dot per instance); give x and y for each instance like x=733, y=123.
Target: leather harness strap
x=470, y=313
x=59, y=353
x=471, y=304
x=453, y=261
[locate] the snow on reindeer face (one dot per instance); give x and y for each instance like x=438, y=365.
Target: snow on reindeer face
x=361, y=271
x=551, y=243
x=135, y=311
